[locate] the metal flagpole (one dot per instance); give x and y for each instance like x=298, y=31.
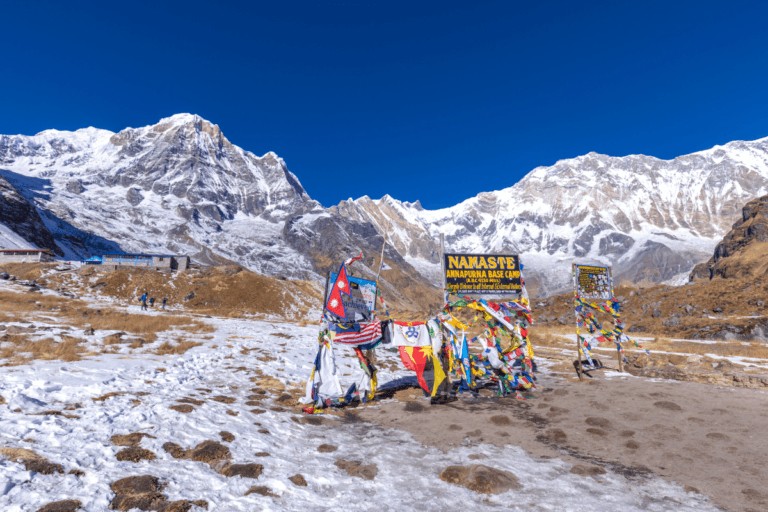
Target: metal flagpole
x=381, y=259
x=442, y=267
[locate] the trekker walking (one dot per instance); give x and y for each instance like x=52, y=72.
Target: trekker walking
x=144, y=302
x=152, y=302
x=164, y=301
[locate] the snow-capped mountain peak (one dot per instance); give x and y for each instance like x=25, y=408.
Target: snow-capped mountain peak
x=181, y=186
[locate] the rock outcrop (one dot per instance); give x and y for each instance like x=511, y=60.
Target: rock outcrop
x=744, y=249
x=22, y=218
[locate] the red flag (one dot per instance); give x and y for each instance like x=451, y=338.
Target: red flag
x=352, y=260
x=341, y=284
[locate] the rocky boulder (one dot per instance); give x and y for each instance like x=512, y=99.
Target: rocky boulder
x=481, y=479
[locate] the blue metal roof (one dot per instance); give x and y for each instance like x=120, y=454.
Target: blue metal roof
x=147, y=255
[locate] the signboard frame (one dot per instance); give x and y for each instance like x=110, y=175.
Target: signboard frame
x=357, y=284
x=602, y=282
x=488, y=274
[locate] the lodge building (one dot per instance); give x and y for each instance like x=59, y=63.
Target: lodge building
x=26, y=255
x=162, y=262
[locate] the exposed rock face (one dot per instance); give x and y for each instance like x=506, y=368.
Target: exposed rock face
x=744, y=249
x=22, y=218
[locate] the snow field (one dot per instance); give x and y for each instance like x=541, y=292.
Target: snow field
x=408, y=472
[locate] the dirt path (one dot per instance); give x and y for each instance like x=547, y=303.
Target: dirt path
x=710, y=440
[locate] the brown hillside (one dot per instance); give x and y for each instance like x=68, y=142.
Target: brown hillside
x=222, y=291
x=744, y=250
x=716, y=309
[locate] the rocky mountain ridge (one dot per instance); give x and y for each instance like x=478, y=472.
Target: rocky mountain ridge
x=651, y=219
x=180, y=186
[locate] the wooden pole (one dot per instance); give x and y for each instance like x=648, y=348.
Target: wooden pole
x=446, y=387
x=579, y=369
x=618, y=352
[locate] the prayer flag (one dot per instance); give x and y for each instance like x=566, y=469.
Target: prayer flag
x=335, y=304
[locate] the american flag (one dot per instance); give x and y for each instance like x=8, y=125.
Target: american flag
x=358, y=334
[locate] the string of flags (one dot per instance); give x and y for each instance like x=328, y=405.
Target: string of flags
x=433, y=349
x=587, y=320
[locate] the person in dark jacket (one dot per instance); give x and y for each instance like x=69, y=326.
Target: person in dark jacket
x=164, y=301
x=152, y=302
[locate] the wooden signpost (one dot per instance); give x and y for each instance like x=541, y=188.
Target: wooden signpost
x=592, y=282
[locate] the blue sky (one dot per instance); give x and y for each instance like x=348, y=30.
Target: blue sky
x=436, y=101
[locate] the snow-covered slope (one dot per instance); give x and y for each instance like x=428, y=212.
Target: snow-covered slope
x=180, y=186
x=652, y=219
x=177, y=186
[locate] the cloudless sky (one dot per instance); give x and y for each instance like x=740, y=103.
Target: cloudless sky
x=435, y=101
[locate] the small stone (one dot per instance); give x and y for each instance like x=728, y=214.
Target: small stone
x=232, y=413
x=227, y=437
x=209, y=451
x=298, y=480
x=481, y=479
x=597, y=432
x=656, y=313
x=632, y=445
x=135, y=454
x=42, y=466
x=312, y=420
x=555, y=435
x=89, y=332
x=223, y=399
x=357, y=469
x=130, y=439
x=587, y=470
x=243, y=470
x=670, y=406
x=501, y=420
x=414, y=407
x=261, y=454
x=263, y=490
x=61, y=506
x=176, y=451
x=183, y=408
x=327, y=448
x=598, y=422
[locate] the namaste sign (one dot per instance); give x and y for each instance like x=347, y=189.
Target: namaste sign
x=412, y=332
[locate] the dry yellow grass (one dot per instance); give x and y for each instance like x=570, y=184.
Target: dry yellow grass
x=721, y=348
x=21, y=350
x=19, y=454
x=180, y=347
